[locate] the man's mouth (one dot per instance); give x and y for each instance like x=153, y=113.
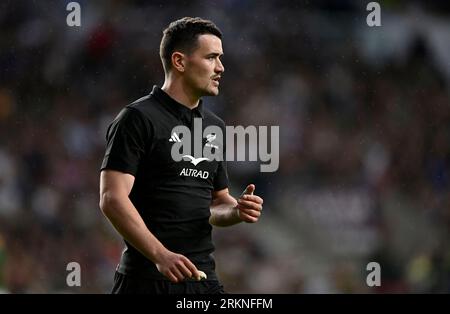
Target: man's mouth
x=216, y=80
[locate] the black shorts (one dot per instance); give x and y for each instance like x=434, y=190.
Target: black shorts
x=127, y=284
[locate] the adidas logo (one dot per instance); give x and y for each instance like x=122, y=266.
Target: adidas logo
x=174, y=138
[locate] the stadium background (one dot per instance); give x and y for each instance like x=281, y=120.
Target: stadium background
x=364, y=118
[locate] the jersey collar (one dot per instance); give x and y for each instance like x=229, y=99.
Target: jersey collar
x=175, y=107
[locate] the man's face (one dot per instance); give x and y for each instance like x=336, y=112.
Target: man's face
x=203, y=67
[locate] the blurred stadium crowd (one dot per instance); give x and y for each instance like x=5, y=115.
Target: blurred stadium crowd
x=364, y=116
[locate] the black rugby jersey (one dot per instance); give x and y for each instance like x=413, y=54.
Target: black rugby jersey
x=172, y=197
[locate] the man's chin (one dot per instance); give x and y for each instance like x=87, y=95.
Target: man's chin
x=212, y=92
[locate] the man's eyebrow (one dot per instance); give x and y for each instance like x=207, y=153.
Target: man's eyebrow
x=214, y=54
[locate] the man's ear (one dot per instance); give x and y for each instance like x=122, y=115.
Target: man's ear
x=178, y=61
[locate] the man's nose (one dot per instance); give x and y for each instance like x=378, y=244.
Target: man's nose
x=219, y=67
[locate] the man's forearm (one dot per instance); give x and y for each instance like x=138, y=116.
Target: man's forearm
x=126, y=220
x=224, y=212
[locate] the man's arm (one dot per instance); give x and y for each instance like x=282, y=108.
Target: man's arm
x=227, y=211
x=115, y=204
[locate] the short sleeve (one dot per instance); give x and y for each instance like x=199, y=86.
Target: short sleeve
x=221, y=178
x=127, y=140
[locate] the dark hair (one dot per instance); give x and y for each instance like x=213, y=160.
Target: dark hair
x=181, y=35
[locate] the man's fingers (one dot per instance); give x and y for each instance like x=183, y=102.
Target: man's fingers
x=185, y=270
x=253, y=198
x=247, y=218
x=191, y=267
x=177, y=274
x=250, y=189
x=250, y=205
x=250, y=212
x=172, y=277
x=196, y=274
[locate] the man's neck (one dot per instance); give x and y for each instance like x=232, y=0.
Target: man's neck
x=180, y=94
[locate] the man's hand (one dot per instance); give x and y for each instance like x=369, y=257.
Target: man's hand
x=249, y=206
x=176, y=267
